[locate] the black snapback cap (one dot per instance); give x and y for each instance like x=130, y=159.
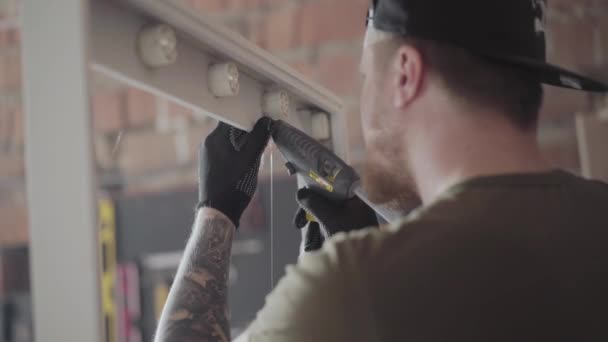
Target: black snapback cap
x=510, y=32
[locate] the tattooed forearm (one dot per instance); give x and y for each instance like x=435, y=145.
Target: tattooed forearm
x=197, y=308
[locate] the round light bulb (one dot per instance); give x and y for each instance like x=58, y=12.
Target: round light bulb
x=223, y=79
x=321, y=129
x=158, y=45
x=276, y=104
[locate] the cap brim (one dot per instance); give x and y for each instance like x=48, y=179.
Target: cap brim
x=551, y=74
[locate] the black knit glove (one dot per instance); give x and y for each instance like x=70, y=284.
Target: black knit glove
x=229, y=161
x=324, y=218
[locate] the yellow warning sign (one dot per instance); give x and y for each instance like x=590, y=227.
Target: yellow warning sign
x=107, y=240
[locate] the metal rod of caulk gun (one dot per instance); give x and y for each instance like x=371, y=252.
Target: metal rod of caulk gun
x=389, y=215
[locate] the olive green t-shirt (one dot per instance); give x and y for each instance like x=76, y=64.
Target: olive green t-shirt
x=501, y=258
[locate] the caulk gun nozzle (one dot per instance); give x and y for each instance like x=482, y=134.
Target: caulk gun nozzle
x=273, y=126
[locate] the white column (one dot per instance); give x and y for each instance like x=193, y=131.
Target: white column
x=60, y=173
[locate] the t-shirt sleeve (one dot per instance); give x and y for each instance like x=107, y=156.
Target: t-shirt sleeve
x=319, y=299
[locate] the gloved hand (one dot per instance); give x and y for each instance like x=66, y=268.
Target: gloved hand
x=326, y=218
x=229, y=162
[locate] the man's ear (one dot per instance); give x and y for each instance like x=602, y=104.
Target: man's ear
x=408, y=75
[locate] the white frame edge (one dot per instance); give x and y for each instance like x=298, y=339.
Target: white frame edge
x=60, y=173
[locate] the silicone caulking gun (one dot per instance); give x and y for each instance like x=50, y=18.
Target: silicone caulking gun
x=321, y=169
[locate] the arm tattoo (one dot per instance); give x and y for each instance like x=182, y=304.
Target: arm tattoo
x=197, y=307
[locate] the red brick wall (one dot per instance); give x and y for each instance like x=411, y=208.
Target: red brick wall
x=320, y=38
x=13, y=218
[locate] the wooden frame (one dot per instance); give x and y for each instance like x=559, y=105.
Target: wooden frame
x=66, y=40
